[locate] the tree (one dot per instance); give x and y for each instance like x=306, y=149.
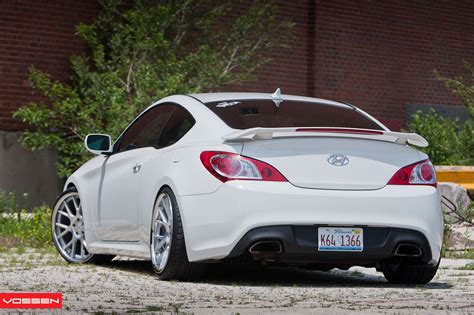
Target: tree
x=140, y=52
x=451, y=141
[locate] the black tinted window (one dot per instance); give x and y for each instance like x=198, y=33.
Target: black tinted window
x=159, y=127
x=244, y=114
x=146, y=130
x=177, y=126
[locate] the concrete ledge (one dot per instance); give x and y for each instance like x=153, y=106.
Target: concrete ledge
x=462, y=175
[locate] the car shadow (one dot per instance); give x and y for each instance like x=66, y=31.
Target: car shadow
x=255, y=275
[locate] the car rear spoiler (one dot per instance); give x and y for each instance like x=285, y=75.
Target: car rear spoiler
x=271, y=133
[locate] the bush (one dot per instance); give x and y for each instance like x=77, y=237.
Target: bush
x=451, y=142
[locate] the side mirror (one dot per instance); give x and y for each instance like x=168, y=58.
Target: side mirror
x=98, y=143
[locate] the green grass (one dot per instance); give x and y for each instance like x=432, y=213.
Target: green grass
x=469, y=266
x=19, y=230
x=464, y=254
x=154, y=308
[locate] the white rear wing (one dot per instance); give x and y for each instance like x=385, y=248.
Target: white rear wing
x=381, y=135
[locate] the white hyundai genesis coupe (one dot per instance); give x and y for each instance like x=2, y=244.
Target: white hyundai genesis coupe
x=254, y=177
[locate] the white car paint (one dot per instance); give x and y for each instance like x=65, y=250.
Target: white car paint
x=117, y=202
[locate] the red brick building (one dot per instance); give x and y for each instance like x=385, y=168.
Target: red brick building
x=379, y=55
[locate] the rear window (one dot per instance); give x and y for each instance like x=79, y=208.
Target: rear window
x=244, y=114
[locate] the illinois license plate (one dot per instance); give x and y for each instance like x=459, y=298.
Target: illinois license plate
x=340, y=239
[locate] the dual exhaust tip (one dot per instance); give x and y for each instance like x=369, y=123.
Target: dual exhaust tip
x=408, y=250
x=266, y=248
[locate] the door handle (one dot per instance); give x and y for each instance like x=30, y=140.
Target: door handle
x=137, y=168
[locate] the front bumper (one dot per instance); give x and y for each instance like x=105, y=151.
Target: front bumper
x=215, y=223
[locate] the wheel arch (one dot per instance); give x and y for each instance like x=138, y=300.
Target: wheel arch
x=165, y=182
x=70, y=186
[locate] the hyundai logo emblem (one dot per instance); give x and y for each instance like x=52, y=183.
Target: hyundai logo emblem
x=338, y=160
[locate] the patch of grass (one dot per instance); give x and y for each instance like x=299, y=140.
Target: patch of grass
x=463, y=254
x=154, y=308
x=22, y=229
x=469, y=266
x=176, y=307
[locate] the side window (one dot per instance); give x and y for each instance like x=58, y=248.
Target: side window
x=147, y=129
x=178, y=125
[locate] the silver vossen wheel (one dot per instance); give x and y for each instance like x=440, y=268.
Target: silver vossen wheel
x=161, y=232
x=68, y=228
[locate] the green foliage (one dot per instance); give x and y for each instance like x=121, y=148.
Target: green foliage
x=18, y=227
x=469, y=266
x=463, y=254
x=451, y=142
x=139, y=53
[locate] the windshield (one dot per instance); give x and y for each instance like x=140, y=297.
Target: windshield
x=244, y=114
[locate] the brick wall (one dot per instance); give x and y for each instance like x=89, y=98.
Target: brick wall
x=40, y=33
x=379, y=55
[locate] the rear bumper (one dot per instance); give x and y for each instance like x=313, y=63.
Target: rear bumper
x=215, y=223
x=300, y=245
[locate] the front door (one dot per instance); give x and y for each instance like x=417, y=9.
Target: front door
x=119, y=186
x=118, y=197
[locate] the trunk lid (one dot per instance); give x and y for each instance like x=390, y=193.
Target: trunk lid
x=337, y=163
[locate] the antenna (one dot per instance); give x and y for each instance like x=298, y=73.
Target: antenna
x=277, y=98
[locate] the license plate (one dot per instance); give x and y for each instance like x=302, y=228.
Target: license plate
x=340, y=239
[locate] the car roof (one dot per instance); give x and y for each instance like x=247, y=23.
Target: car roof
x=217, y=97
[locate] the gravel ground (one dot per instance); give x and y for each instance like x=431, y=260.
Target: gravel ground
x=130, y=286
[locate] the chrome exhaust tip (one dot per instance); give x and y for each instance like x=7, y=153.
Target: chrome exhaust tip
x=408, y=250
x=266, y=247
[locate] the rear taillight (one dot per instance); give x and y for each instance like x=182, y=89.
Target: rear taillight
x=419, y=173
x=227, y=166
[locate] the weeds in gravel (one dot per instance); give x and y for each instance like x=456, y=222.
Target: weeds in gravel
x=154, y=308
x=463, y=254
x=469, y=266
x=21, y=228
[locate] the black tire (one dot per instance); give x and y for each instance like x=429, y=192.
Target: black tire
x=400, y=271
x=178, y=266
x=94, y=258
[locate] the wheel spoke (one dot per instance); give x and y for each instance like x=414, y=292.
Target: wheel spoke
x=162, y=215
x=73, y=250
x=64, y=214
x=61, y=235
x=167, y=206
x=68, y=209
x=164, y=259
x=76, y=205
x=62, y=226
x=160, y=244
x=160, y=224
x=69, y=244
x=82, y=249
